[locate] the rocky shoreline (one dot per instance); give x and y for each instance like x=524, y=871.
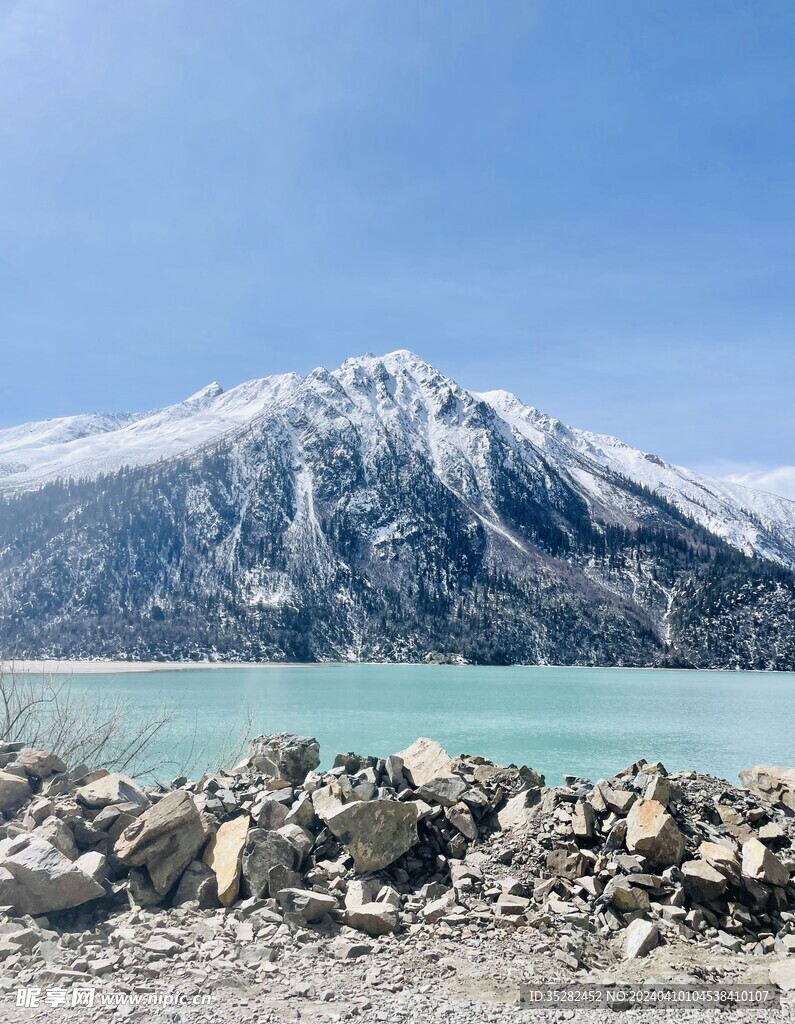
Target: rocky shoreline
x=417, y=886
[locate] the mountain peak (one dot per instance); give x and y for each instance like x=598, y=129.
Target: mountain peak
x=399, y=358
x=209, y=391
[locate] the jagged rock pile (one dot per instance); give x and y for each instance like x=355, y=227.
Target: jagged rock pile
x=416, y=841
x=681, y=855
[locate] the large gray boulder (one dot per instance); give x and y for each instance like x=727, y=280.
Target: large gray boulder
x=624, y=896
x=14, y=791
x=35, y=878
x=198, y=885
x=271, y=815
x=112, y=789
x=140, y=890
x=510, y=778
x=373, y=918
x=283, y=755
x=263, y=852
x=39, y=764
x=164, y=839
x=702, y=881
x=445, y=790
x=641, y=938
x=461, y=818
x=376, y=832
x=305, y=905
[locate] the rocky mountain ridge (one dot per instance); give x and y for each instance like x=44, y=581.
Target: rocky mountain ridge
x=382, y=512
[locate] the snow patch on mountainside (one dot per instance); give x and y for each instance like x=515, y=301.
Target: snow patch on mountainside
x=740, y=515
x=85, y=446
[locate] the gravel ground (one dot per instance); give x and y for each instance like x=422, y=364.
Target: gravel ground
x=345, y=913
x=421, y=977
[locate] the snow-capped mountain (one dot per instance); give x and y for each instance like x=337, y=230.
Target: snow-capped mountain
x=754, y=521
x=380, y=510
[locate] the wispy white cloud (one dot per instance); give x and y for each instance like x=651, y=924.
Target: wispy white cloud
x=779, y=480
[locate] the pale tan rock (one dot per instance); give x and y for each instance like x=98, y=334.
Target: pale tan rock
x=111, y=788
x=438, y=908
x=57, y=832
x=762, y=865
x=326, y=800
x=771, y=832
x=782, y=974
x=361, y=891
x=94, y=864
x=424, y=761
x=772, y=782
x=721, y=858
x=35, y=878
x=224, y=855
x=582, y=820
x=37, y=811
x=652, y=832
x=511, y=906
x=300, y=839
x=304, y=904
x=734, y=823
x=517, y=810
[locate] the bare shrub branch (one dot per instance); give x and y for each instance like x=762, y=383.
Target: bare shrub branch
x=100, y=730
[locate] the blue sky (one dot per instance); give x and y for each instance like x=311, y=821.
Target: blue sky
x=588, y=203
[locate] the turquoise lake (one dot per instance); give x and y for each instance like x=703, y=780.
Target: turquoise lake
x=589, y=722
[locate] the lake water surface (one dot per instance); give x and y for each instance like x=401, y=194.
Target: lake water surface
x=589, y=722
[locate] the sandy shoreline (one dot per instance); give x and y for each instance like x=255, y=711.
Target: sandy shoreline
x=104, y=667
x=99, y=667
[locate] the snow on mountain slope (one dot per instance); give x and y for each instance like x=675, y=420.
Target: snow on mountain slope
x=399, y=399
x=751, y=520
x=85, y=446
x=411, y=398
x=17, y=444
